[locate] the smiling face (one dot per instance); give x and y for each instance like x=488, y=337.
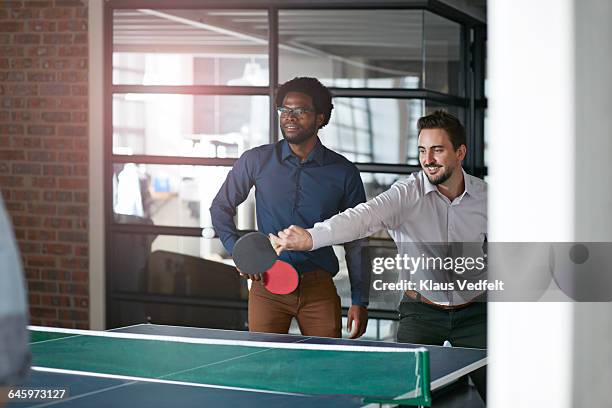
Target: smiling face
x=299, y=128
x=437, y=156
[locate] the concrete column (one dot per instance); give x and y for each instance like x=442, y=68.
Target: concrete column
x=592, y=344
x=97, y=300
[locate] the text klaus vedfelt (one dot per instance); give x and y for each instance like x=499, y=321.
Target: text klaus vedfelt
x=411, y=264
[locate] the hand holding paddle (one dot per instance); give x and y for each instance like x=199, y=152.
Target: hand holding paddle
x=254, y=256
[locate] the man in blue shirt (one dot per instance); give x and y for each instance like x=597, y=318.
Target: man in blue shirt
x=299, y=181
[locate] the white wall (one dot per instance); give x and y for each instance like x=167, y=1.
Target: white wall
x=549, y=71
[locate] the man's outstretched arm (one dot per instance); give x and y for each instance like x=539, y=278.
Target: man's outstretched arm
x=355, y=223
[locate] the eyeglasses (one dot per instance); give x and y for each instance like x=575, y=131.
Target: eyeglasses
x=297, y=112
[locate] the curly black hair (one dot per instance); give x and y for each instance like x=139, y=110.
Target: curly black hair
x=444, y=120
x=320, y=95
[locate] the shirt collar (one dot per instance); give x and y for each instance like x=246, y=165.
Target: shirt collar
x=430, y=187
x=467, y=182
x=427, y=184
x=317, y=153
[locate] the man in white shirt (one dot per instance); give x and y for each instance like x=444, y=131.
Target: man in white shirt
x=438, y=208
x=14, y=338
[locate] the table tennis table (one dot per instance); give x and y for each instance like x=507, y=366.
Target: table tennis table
x=152, y=365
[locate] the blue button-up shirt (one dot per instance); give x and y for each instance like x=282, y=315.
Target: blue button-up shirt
x=288, y=191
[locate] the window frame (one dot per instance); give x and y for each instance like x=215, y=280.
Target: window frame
x=472, y=63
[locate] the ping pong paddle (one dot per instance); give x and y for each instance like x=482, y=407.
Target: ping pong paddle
x=281, y=278
x=253, y=254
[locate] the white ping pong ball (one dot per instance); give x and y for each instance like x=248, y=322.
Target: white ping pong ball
x=208, y=233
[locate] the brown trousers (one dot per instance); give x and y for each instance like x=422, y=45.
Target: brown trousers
x=315, y=304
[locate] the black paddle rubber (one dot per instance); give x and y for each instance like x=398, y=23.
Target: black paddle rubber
x=253, y=253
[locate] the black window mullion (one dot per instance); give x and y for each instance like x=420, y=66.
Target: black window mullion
x=228, y=162
x=144, y=229
x=387, y=168
x=173, y=160
x=191, y=89
x=273, y=69
x=467, y=47
x=479, y=105
x=270, y=91
x=422, y=94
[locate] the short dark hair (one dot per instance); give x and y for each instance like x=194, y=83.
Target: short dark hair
x=444, y=120
x=320, y=95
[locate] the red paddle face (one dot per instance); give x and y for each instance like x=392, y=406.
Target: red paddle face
x=281, y=278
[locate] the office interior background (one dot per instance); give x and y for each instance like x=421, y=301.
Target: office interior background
x=192, y=89
x=120, y=120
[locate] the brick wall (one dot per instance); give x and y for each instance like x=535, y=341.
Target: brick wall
x=43, y=151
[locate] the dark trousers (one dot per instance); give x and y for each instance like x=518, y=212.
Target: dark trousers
x=466, y=327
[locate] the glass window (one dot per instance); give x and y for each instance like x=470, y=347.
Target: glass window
x=172, y=195
x=129, y=312
x=359, y=48
x=380, y=130
x=352, y=48
x=189, y=125
x=376, y=183
x=173, y=265
x=458, y=111
x=377, y=130
x=190, y=47
x=442, y=44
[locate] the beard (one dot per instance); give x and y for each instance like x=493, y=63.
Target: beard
x=440, y=178
x=301, y=136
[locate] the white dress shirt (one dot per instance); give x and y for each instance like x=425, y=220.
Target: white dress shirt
x=417, y=215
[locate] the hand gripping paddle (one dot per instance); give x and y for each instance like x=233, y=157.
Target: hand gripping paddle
x=253, y=254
